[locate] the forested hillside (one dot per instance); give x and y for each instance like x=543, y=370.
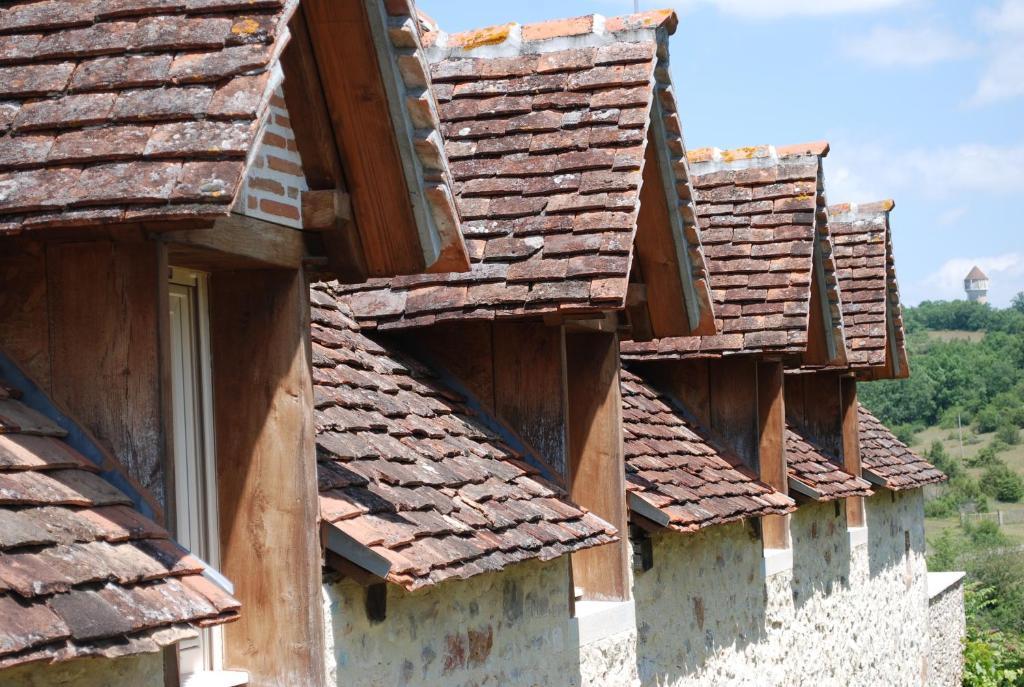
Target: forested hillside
x=980, y=378
x=963, y=406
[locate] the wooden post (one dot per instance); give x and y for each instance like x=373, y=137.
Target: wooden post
x=266, y=470
x=596, y=463
x=771, y=423
x=855, y=516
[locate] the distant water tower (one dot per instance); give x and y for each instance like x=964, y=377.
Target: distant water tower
x=976, y=285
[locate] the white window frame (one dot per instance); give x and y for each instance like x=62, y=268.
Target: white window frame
x=195, y=468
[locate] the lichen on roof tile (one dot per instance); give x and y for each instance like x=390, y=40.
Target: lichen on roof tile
x=68, y=65
x=762, y=217
x=413, y=471
x=546, y=127
x=888, y=460
x=82, y=573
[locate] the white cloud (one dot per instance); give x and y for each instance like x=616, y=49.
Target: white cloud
x=773, y=9
x=885, y=46
x=1004, y=271
x=1003, y=75
x=1007, y=18
x=863, y=173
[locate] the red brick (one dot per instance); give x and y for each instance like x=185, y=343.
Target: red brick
x=273, y=207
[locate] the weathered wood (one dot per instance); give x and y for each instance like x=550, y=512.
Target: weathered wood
x=688, y=382
x=734, y=406
x=822, y=411
x=236, y=242
x=314, y=138
x=656, y=255
x=24, y=327
x=596, y=463
x=771, y=414
x=105, y=303
x=464, y=349
x=529, y=387
x=817, y=333
x=855, y=515
x=364, y=133
x=266, y=470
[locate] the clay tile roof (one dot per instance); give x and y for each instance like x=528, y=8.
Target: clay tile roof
x=82, y=573
x=673, y=475
x=872, y=313
x=114, y=111
x=888, y=462
x=546, y=127
x=762, y=215
x=814, y=474
x=410, y=470
x=976, y=273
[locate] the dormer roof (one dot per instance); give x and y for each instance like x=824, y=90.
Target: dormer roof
x=765, y=232
x=557, y=132
x=872, y=311
x=976, y=274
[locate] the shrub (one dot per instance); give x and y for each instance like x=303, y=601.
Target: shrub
x=988, y=419
x=985, y=457
x=906, y=433
x=1000, y=482
x=941, y=459
x=1008, y=434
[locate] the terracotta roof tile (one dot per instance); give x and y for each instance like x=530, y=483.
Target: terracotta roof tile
x=762, y=216
x=410, y=469
x=809, y=467
x=867, y=275
x=672, y=469
x=888, y=462
x=546, y=143
x=81, y=572
x=69, y=65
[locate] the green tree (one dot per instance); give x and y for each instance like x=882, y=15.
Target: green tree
x=1000, y=482
x=1018, y=302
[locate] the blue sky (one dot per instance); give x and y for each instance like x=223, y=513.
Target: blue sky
x=922, y=101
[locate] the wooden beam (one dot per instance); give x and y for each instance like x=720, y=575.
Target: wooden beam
x=236, y=242
x=266, y=469
x=597, y=468
x=365, y=135
x=855, y=516
x=304, y=95
x=772, y=469
x=647, y=511
x=804, y=490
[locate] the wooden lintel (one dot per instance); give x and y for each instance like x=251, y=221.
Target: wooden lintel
x=608, y=322
x=647, y=512
x=873, y=477
x=236, y=242
x=351, y=550
x=798, y=487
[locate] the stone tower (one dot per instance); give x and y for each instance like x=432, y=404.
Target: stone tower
x=976, y=285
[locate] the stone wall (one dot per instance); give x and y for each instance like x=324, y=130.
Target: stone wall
x=133, y=671
x=508, y=628
x=947, y=628
x=852, y=610
x=843, y=614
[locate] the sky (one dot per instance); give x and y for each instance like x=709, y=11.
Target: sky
x=922, y=101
